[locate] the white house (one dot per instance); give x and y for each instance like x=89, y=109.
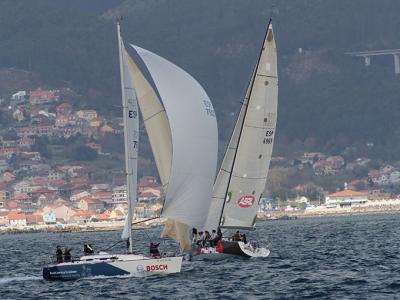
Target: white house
x=394, y=177
x=119, y=195
x=346, y=198
x=79, y=195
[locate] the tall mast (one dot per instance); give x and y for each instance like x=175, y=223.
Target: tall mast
x=246, y=104
x=131, y=135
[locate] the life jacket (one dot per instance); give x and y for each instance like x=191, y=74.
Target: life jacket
x=219, y=248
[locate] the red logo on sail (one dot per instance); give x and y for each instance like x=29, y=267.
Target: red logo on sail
x=246, y=201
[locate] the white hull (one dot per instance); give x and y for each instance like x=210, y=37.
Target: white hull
x=253, y=252
x=113, y=265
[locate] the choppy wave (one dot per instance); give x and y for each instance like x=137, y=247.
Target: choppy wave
x=321, y=258
x=8, y=280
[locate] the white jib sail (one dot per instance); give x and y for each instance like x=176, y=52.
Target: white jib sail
x=194, y=138
x=131, y=137
x=253, y=137
x=223, y=177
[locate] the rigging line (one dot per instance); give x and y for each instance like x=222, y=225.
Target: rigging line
x=268, y=76
x=149, y=238
x=249, y=177
x=153, y=115
x=245, y=113
x=113, y=245
x=259, y=127
x=142, y=221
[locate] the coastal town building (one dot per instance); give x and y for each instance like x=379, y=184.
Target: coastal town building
x=49, y=217
x=87, y=114
x=40, y=96
x=18, y=97
x=89, y=204
x=16, y=219
x=77, y=196
x=64, y=109
x=119, y=195
x=346, y=198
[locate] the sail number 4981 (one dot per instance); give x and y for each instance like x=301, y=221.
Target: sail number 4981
x=268, y=139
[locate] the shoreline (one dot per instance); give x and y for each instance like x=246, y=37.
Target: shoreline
x=327, y=212
x=264, y=216
x=67, y=228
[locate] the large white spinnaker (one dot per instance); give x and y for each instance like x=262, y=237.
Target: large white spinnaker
x=188, y=151
x=131, y=136
x=241, y=180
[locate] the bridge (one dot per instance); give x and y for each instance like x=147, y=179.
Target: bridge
x=367, y=57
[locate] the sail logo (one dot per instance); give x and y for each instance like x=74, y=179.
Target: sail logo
x=157, y=268
x=246, y=201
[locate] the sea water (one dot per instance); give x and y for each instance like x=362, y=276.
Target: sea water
x=355, y=257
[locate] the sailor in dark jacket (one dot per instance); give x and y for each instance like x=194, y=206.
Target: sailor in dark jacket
x=154, y=250
x=59, y=255
x=67, y=254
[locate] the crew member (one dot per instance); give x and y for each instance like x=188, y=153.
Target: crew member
x=59, y=255
x=244, y=239
x=194, y=236
x=87, y=249
x=213, y=240
x=237, y=237
x=155, y=253
x=219, y=234
x=207, y=238
x=200, y=240
x=67, y=254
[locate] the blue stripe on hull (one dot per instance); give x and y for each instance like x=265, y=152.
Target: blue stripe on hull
x=76, y=271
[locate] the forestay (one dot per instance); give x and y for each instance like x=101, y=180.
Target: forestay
x=243, y=174
x=193, y=135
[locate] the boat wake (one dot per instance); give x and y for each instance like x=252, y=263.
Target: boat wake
x=6, y=280
x=102, y=277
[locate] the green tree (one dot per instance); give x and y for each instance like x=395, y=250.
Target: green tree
x=41, y=145
x=83, y=153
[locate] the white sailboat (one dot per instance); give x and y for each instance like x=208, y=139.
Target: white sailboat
x=181, y=125
x=242, y=177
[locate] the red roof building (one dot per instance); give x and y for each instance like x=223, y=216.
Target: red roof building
x=34, y=219
x=64, y=109
x=347, y=198
x=16, y=218
x=43, y=96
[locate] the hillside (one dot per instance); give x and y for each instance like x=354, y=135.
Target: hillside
x=328, y=101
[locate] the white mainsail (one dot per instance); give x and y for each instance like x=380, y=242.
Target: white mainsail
x=241, y=180
x=180, y=121
x=131, y=136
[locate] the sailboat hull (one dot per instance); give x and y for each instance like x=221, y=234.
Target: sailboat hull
x=232, y=249
x=116, y=265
